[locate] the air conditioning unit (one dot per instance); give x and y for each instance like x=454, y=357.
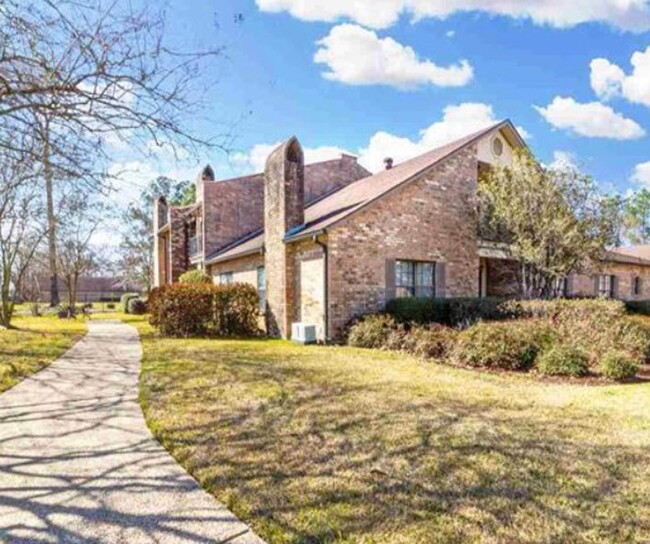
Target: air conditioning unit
x=303, y=333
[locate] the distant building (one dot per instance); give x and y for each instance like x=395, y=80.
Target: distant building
x=89, y=289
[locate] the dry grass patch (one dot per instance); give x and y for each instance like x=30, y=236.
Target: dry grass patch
x=33, y=344
x=320, y=445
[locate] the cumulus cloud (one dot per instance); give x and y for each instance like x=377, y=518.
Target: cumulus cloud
x=641, y=174
x=357, y=56
x=631, y=15
x=591, y=119
x=609, y=80
x=457, y=121
x=255, y=159
x=563, y=160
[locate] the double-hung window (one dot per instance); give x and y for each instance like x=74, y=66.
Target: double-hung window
x=415, y=279
x=637, y=289
x=606, y=286
x=225, y=278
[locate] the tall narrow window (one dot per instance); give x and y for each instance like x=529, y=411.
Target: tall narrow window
x=261, y=287
x=606, y=286
x=415, y=279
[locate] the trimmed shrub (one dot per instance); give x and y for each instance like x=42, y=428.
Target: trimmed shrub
x=641, y=307
x=110, y=306
x=194, y=276
x=137, y=306
x=506, y=345
x=124, y=301
x=433, y=342
x=202, y=309
x=617, y=365
x=594, y=326
x=448, y=311
x=563, y=361
x=373, y=331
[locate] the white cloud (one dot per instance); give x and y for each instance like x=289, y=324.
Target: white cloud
x=632, y=15
x=592, y=119
x=641, y=174
x=255, y=159
x=564, y=160
x=457, y=121
x=609, y=80
x=357, y=56
x=450, y=33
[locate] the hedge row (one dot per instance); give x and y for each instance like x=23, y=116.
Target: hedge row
x=453, y=312
x=202, y=309
x=562, y=337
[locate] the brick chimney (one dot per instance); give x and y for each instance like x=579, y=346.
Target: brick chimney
x=205, y=175
x=284, y=195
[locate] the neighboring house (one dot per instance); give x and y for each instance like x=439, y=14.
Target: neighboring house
x=328, y=242
x=89, y=289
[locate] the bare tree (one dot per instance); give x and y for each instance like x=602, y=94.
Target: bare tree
x=76, y=254
x=106, y=67
x=21, y=228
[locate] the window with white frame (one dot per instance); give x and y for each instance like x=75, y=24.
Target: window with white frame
x=606, y=285
x=226, y=278
x=415, y=279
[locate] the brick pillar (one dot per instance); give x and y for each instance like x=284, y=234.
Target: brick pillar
x=284, y=195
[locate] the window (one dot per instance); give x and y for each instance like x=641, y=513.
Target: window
x=225, y=278
x=560, y=288
x=636, y=286
x=261, y=287
x=414, y=279
x=497, y=147
x=606, y=286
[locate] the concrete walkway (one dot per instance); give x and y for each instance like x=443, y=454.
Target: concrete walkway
x=78, y=464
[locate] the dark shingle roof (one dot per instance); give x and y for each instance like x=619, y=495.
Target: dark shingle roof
x=351, y=198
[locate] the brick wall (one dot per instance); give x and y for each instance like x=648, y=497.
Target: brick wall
x=231, y=210
x=430, y=219
x=308, y=277
x=584, y=285
x=178, y=242
x=325, y=177
x=244, y=269
x=283, y=210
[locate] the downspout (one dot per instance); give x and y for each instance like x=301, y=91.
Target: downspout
x=326, y=282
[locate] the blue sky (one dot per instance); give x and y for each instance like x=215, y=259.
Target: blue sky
x=473, y=65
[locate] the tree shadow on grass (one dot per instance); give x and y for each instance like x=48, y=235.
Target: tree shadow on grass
x=316, y=459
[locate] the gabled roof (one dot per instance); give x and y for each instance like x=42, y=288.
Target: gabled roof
x=355, y=196
x=630, y=255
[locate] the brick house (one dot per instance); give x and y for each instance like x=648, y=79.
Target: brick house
x=326, y=242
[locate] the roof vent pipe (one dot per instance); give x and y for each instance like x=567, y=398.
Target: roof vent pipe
x=388, y=161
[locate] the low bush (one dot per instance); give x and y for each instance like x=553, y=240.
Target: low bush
x=641, y=307
x=431, y=342
x=617, y=365
x=563, y=361
x=110, y=306
x=194, y=276
x=124, y=301
x=505, y=345
x=202, y=309
x=448, y=311
x=137, y=306
x=374, y=331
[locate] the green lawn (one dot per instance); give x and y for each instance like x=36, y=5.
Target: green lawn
x=34, y=344
x=325, y=444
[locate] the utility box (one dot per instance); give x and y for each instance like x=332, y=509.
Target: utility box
x=303, y=333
